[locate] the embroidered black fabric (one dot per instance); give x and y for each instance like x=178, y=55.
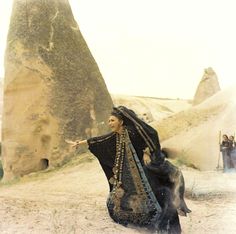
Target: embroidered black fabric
x=131, y=199
x=141, y=136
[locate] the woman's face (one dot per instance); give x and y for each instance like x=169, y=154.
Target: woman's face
x=225, y=137
x=115, y=124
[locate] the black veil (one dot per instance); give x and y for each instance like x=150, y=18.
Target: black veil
x=149, y=134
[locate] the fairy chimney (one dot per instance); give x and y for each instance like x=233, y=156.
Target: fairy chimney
x=208, y=86
x=53, y=89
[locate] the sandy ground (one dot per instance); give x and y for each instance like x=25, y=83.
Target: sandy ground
x=72, y=200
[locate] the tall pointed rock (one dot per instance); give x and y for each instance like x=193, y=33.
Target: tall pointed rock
x=208, y=86
x=53, y=89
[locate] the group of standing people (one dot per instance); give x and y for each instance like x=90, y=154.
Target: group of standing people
x=228, y=149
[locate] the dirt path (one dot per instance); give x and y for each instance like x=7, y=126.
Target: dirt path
x=72, y=200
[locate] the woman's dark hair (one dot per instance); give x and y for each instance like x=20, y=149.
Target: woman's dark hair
x=117, y=113
x=225, y=136
x=148, y=133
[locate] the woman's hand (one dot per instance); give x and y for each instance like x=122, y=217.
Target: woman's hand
x=76, y=143
x=146, y=158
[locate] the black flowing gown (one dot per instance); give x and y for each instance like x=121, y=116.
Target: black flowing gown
x=145, y=194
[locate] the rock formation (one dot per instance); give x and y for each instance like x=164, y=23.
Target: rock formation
x=1, y=105
x=192, y=136
x=207, y=87
x=53, y=89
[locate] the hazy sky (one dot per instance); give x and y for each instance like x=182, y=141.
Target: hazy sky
x=154, y=47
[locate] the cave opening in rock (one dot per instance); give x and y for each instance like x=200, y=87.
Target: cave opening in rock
x=44, y=163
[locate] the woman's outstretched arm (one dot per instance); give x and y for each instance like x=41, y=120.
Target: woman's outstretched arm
x=77, y=142
x=93, y=141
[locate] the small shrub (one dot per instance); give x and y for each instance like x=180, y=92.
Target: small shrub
x=1, y=170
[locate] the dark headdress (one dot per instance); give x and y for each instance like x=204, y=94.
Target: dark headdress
x=149, y=134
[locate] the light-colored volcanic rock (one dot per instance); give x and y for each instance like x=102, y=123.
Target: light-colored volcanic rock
x=150, y=108
x=193, y=135
x=208, y=86
x=53, y=89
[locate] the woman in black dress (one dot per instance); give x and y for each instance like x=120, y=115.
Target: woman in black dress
x=144, y=194
x=225, y=149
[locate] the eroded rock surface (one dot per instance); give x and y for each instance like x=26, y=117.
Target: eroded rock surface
x=53, y=89
x=208, y=86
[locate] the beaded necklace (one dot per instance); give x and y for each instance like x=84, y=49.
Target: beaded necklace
x=116, y=180
x=143, y=207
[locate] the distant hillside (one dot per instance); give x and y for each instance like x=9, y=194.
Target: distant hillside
x=193, y=134
x=149, y=108
x=153, y=108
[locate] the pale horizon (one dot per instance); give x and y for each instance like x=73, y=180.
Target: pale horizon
x=153, y=48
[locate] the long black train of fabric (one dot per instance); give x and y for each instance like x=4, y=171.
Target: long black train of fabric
x=104, y=148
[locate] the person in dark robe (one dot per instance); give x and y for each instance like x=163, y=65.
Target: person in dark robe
x=231, y=142
x=144, y=193
x=232, y=152
x=225, y=150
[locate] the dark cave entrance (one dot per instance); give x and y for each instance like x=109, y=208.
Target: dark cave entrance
x=44, y=163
